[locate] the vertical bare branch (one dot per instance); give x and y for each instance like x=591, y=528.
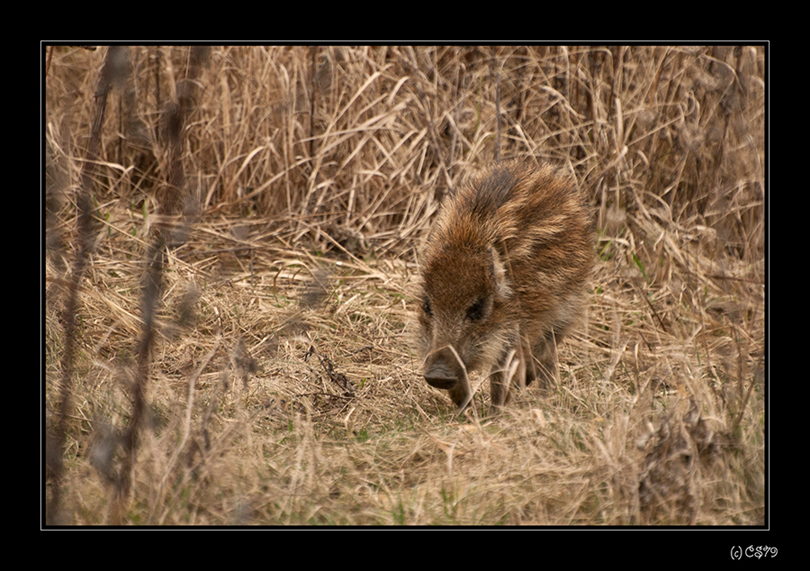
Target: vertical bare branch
x=110, y=74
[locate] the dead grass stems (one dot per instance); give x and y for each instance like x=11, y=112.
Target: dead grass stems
x=228, y=269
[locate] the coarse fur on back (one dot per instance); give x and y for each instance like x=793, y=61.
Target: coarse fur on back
x=504, y=271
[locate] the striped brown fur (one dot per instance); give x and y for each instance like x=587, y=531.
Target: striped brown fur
x=504, y=269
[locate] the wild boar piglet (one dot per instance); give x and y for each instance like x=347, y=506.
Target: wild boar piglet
x=504, y=274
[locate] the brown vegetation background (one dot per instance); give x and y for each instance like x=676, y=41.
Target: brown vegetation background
x=231, y=234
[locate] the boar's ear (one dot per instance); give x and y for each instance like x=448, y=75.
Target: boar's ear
x=500, y=275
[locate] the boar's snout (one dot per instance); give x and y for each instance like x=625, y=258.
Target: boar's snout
x=443, y=369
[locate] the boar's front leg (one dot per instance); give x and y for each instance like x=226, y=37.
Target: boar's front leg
x=511, y=370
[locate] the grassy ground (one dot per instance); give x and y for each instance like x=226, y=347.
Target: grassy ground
x=228, y=261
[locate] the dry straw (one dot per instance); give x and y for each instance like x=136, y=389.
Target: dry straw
x=275, y=197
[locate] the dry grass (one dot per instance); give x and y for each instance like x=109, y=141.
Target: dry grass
x=275, y=198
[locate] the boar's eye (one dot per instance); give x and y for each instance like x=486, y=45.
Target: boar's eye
x=426, y=307
x=477, y=309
